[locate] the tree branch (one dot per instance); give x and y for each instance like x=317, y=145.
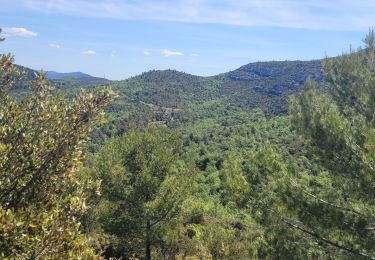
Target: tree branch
x=330, y=242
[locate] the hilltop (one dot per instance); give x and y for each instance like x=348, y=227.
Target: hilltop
x=268, y=82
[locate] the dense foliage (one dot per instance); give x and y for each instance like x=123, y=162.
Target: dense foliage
x=41, y=148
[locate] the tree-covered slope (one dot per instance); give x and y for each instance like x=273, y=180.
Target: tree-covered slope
x=261, y=84
x=176, y=98
x=267, y=84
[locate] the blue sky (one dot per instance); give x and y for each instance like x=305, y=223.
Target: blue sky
x=123, y=38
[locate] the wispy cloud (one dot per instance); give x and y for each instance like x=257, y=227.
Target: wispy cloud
x=22, y=32
x=89, y=52
x=147, y=53
x=169, y=53
x=112, y=54
x=194, y=55
x=308, y=14
x=55, y=46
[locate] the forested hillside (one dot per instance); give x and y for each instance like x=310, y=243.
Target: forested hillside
x=262, y=85
x=175, y=98
x=274, y=160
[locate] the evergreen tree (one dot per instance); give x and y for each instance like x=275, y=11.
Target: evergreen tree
x=320, y=204
x=144, y=181
x=338, y=206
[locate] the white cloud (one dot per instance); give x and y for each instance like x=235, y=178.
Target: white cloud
x=22, y=32
x=307, y=14
x=112, y=54
x=194, y=55
x=147, y=53
x=89, y=52
x=169, y=53
x=55, y=46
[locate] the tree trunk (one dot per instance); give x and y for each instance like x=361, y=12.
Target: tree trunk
x=148, y=241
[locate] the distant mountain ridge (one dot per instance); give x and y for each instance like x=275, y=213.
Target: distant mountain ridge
x=60, y=80
x=74, y=79
x=59, y=75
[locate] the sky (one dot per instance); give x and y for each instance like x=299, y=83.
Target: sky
x=118, y=39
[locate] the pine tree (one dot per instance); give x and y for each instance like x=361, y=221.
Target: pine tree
x=339, y=124
x=144, y=181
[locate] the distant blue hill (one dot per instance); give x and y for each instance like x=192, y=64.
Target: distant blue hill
x=60, y=80
x=60, y=75
x=74, y=79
